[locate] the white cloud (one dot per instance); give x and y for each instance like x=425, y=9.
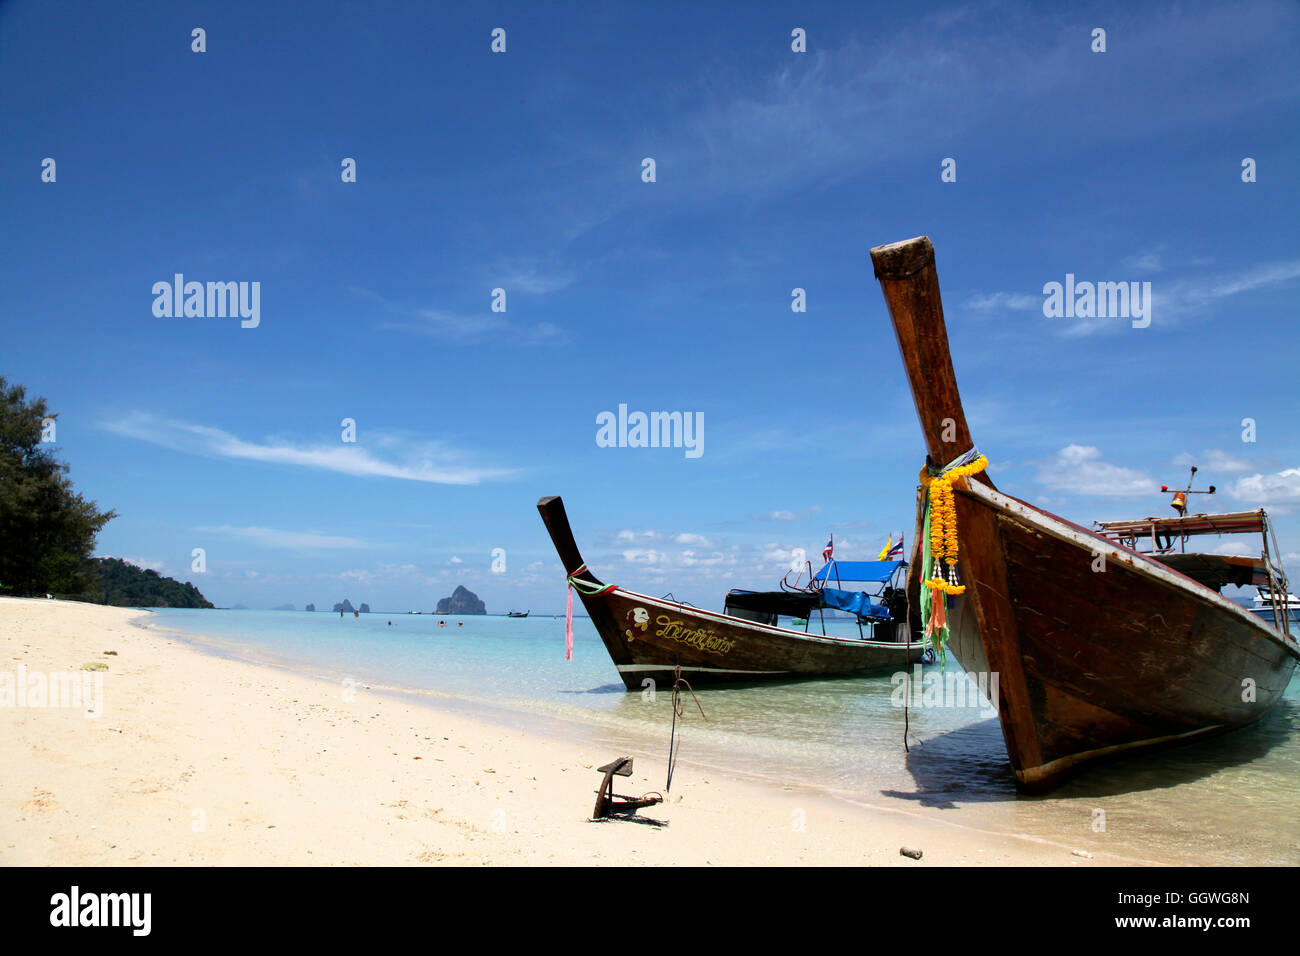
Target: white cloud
x=690, y=559
x=1079, y=469
x=293, y=540
x=633, y=536
x=146, y=564
x=698, y=539
x=386, y=573
x=455, y=560
x=643, y=556
x=421, y=460
x=1281, y=487
x=783, y=515
x=1232, y=548
x=1214, y=461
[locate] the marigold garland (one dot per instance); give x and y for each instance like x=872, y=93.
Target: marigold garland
x=943, y=524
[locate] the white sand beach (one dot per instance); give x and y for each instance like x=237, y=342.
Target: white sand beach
x=198, y=759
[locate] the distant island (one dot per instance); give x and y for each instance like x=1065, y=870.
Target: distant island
x=310, y=607
x=125, y=585
x=346, y=607
x=462, y=601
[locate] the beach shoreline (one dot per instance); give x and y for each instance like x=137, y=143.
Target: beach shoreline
x=204, y=759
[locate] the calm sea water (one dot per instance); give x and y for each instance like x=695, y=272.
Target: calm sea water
x=1234, y=799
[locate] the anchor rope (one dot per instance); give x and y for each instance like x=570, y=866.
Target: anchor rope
x=679, y=710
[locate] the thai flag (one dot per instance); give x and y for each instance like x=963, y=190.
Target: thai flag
x=829, y=551
x=897, y=550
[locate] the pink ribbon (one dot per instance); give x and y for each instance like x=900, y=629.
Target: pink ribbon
x=568, y=628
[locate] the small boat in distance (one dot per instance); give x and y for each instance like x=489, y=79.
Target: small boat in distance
x=649, y=637
x=1267, y=608
x=1100, y=648
x=518, y=613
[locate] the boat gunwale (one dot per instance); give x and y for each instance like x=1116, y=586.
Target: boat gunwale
x=1146, y=565
x=768, y=628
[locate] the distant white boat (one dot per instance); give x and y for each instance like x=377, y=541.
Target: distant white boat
x=1263, y=606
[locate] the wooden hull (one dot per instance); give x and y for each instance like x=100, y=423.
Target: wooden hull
x=1093, y=660
x=1093, y=663
x=648, y=637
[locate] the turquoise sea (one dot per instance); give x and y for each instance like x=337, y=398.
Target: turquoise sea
x=1234, y=799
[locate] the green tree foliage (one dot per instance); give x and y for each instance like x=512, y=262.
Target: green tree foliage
x=125, y=585
x=47, y=530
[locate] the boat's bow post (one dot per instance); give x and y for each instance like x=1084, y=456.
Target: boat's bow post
x=551, y=508
x=910, y=283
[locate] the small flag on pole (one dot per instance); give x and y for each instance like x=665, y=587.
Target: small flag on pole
x=829, y=551
x=891, y=550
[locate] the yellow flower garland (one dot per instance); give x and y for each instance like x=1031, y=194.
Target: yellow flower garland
x=943, y=524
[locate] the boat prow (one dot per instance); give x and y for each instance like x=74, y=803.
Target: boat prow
x=1099, y=649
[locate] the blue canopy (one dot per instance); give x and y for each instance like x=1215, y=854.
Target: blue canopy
x=876, y=572
x=855, y=602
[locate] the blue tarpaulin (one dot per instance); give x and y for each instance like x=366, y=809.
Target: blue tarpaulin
x=855, y=602
x=877, y=572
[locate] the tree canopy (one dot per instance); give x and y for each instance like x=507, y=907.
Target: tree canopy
x=47, y=530
x=125, y=585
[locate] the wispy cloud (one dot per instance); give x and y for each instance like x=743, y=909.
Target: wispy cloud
x=1213, y=460
x=1196, y=294
x=1147, y=261
x=1171, y=299
x=466, y=327
x=419, y=460
x=1004, y=301
x=291, y=540
x=531, y=277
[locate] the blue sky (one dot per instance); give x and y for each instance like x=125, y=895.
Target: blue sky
x=522, y=170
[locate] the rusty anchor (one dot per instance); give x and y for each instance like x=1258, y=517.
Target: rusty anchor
x=608, y=803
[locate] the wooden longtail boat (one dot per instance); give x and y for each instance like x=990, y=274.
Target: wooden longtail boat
x=648, y=637
x=1100, y=649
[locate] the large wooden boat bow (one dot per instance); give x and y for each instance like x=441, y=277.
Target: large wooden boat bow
x=1100, y=649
